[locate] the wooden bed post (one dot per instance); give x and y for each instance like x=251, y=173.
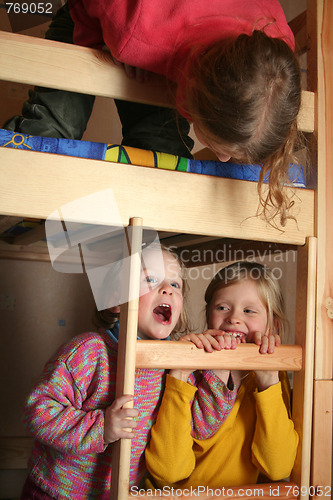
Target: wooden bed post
x=320, y=81
x=121, y=452
x=303, y=380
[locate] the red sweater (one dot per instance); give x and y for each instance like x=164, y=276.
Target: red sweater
x=157, y=35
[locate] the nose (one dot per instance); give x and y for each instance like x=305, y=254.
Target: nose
x=166, y=288
x=233, y=318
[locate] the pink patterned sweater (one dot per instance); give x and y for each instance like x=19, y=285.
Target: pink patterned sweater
x=65, y=414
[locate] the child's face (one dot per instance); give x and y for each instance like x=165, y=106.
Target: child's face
x=223, y=153
x=238, y=309
x=161, y=304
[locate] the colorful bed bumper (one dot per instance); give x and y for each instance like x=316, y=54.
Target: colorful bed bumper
x=128, y=155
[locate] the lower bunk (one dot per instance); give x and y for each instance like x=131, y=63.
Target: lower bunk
x=205, y=205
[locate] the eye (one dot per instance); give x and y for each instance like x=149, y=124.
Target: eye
x=222, y=308
x=174, y=284
x=249, y=311
x=150, y=279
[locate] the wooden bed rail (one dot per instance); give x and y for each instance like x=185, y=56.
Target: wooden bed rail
x=51, y=180
x=69, y=67
x=58, y=65
x=177, y=354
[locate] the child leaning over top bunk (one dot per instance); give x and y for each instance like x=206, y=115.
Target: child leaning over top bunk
x=243, y=302
x=233, y=64
x=72, y=411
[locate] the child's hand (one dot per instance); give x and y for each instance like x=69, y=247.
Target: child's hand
x=267, y=341
x=139, y=74
x=212, y=340
x=118, y=420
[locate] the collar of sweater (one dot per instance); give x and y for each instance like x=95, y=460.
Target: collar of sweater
x=114, y=333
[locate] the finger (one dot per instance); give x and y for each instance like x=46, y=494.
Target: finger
x=140, y=75
x=129, y=70
x=271, y=344
x=121, y=401
x=117, y=63
x=234, y=342
x=264, y=345
x=128, y=413
x=220, y=340
x=193, y=338
x=257, y=338
x=212, y=341
x=206, y=342
x=227, y=341
x=277, y=339
x=186, y=337
x=123, y=434
x=213, y=333
x=126, y=423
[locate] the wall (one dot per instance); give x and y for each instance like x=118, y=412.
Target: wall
x=35, y=301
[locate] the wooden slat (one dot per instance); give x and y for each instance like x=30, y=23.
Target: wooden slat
x=320, y=80
x=29, y=237
x=225, y=207
x=21, y=252
x=63, y=66
x=47, y=63
x=303, y=381
x=298, y=27
x=177, y=354
x=322, y=435
x=320, y=67
x=305, y=119
x=128, y=327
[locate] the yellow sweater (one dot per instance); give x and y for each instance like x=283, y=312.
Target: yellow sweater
x=257, y=436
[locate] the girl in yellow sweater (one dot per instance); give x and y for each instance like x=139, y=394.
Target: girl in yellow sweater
x=243, y=304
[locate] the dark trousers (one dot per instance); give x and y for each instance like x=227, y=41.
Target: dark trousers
x=58, y=113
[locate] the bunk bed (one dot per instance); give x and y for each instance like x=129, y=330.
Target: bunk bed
x=52, y=181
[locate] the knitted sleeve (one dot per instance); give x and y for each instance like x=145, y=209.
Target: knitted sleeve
x=211, y=405
x=275, y=440
x=60, y=410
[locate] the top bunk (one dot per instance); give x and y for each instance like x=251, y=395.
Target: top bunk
x=36, y=184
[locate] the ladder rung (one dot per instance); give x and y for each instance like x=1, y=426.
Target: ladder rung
x=178, y=354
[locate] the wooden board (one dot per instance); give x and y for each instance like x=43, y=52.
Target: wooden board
x=177, y=354
x=225, y=207
x=35, y=61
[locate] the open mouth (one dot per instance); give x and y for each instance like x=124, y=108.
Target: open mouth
x=163, y=313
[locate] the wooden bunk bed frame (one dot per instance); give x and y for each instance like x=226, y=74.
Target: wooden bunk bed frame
x=52, y=181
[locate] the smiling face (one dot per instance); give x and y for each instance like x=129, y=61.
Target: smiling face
x=161, y=297
x=238, y=309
